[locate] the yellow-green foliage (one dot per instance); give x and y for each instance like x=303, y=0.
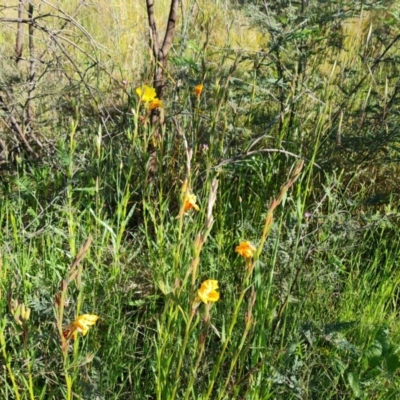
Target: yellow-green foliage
x=117, y=30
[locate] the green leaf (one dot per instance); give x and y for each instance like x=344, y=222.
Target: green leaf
x=354, y=383
x=338, y=365
x=337, y=262
x=392, y=363
x=374, y=354
x=383, y=338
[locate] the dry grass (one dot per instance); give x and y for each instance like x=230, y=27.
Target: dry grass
x=117, y=30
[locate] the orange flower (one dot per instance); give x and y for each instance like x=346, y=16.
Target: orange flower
x=156, y=103
x=81, y=324
x=190, y=202
x=207, y=293
x=198, y=90
x=245, y=249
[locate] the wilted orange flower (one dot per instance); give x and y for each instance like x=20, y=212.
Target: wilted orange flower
x=146, y=93
x=245, y=249
x=81, y=324
x=198, y=90
x=190, y=202
x=207, y=293
x=156, y=103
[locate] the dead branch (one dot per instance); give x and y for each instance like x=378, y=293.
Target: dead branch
x=15, y=127
x=20, y=33
x=46, y=50
x=32, y=66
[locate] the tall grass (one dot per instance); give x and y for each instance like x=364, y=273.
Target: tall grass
x=91, y=229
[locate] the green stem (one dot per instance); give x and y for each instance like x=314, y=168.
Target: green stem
x=192, y=378
x=218, y=363
x=183, y=350
x=6, y=360
x=68, y=382
x=235, y=358
x=30, y=379
x=199, y=357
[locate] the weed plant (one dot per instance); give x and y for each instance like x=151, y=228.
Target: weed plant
x=256, y=259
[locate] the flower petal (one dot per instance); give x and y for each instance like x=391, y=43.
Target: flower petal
x=245, y=249
x=156, y=103
x=90, y=319
x=213, y=296
x=203, y=296
x=146, y=93
x=209, y=284
x=81, y=324
x=198, y=90
x=190, y=202
x=207, y=292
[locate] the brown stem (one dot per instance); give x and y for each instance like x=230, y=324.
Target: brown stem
x=161, y=54
x=20, y=33
x=32, y=66
x=153, y=27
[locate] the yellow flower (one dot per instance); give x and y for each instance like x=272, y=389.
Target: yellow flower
x=81, y=324
x=245, y=249
x=198, y=90
x=146, y=93
x=156, y=103
x=207, y=293
x=190, y=202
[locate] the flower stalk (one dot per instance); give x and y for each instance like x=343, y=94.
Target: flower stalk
x=74, y=274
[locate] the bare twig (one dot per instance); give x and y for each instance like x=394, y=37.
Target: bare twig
x=250, y=153
x=32, y=66
x=20, y=33
x=15, y=127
